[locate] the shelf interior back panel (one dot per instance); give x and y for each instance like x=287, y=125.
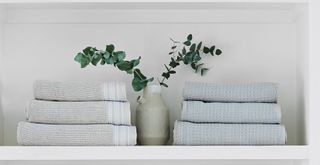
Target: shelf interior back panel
x=259, y=45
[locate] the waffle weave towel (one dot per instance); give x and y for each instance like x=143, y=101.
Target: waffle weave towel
x=93, y=112
x=186, y=133
x=254, y=92
x=75, y=135
x=197, y=111
x=79, y=91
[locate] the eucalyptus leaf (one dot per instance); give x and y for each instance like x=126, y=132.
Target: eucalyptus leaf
x=206, y=50
x=187, y=43
x=120, y=55
x=193, y=47
x=110, y=48
x=218, y=52
x=189, y=38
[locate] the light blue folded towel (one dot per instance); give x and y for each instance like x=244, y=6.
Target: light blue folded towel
x=186, y=133
x=198, y=111
x=213, y=92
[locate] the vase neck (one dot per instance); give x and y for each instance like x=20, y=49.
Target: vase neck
x=152, y=90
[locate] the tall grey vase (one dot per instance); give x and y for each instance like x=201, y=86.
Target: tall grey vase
x=152, y=117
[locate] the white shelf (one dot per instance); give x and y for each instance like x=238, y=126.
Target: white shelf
x=152, y=1
x=155, y=153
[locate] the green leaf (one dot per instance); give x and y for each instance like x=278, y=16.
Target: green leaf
x=199, y=46
x=137, y=84
x=137, y=73
x=89, y=51
x=198, y=67
x=203, y=71
x=193, y=66
x=78, y=57
x=184, y=51
x=164, y=84
x=110, y=60
x=166, y=75
x=187, y=43
x=82, y=59
x=106, y=55
x=172, y=72
x=206, y=50
x=120, y=55
x=110, y=48
x=95, y=59
x=124, y=65
x=173, y=63
x=102, y=62
x=189, y=38
x=218, y=52
x=135, y=62
x=212, y=49
x=193, y=47
x=171, y=53
x=173, y=47
x=196, y=58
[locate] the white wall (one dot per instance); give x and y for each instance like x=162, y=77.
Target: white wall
x=255, y=48
x=160, y=162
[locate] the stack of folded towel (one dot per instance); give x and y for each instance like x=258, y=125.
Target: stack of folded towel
x=230, y=114
x=77, y=114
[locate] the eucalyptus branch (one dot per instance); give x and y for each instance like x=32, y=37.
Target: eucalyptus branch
x=115, y=58
x=190, y=54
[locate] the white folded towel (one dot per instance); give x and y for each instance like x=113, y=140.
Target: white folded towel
x=186, y=133
x=79, y=91
x=75, y=135
x=198, y=111
x=93, y=112
x=213, y=92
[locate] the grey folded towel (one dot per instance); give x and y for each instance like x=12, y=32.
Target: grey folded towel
x=93, y=112
x=197, y=111
x=254, y=92
x=79, y=91
x=75, y=135
x=186, y=133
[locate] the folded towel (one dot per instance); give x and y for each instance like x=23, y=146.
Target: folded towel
x=197, y=111
x=75, y=135
x=95, y=112
x=254, y=92
x=79, y=91
x=186, y=133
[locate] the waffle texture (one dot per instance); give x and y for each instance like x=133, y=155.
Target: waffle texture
x=213, y=92
x=198, y=111
x=186, y=133
x=75, y=135
x=79, y=91
x=93, y=112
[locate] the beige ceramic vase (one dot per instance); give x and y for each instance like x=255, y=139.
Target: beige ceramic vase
x=152, y=117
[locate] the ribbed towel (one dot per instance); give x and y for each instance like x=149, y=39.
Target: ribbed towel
x=79, y=91
x=93, y=112
x=254, y=92
x=197, y=111
x=186, y=133
x=75, y=135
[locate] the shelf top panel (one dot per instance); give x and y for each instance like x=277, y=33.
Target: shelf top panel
x=152, y=1
x=154, y=153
